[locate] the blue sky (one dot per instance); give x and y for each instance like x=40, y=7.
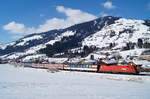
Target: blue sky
x=22, y=17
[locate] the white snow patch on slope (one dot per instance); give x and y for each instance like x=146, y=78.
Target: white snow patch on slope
x=14, y=55
x=34, y=49
x=57, y=60
x=33, y=38
x=37, y=56
x=134, y=52
x=36, y=37
x=31, y=50
x=96, y=56
x=5, y=45
x=59, y=37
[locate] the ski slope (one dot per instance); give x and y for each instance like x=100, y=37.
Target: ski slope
x=29, y=83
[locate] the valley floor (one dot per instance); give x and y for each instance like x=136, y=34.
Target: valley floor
x=29, y=83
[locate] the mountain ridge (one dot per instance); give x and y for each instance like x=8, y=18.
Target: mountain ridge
x=85, y=37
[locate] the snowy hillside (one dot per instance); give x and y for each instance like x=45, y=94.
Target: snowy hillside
x=25, y=40
x=99, y=35
x=3, y=46
x=120, y=33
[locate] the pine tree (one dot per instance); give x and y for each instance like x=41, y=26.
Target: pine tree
x=140, y=43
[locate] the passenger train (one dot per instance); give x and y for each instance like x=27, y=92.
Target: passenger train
x=128, y=68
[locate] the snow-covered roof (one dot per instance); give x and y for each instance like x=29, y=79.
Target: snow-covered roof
x=110, y=61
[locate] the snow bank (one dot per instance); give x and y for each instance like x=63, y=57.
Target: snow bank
x=29, y=83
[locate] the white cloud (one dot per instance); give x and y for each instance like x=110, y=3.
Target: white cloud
x=42, y=15
x=73, y=16
x=103, y=14
x=108, y=5
x=17, y=36
x=14, y=27
x=76, y=16
x=148, y=6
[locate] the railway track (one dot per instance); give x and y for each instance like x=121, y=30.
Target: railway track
x=141, y=74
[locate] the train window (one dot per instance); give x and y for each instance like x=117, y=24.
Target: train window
x=83, y=66
x=89, y=66
x=86, y=66
x=79, y=66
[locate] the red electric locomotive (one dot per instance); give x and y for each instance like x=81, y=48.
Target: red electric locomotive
x=116, y=67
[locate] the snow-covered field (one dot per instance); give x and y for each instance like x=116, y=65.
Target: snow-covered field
x=29, y=83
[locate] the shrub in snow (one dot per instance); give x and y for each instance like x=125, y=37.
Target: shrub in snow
x=52, y=70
